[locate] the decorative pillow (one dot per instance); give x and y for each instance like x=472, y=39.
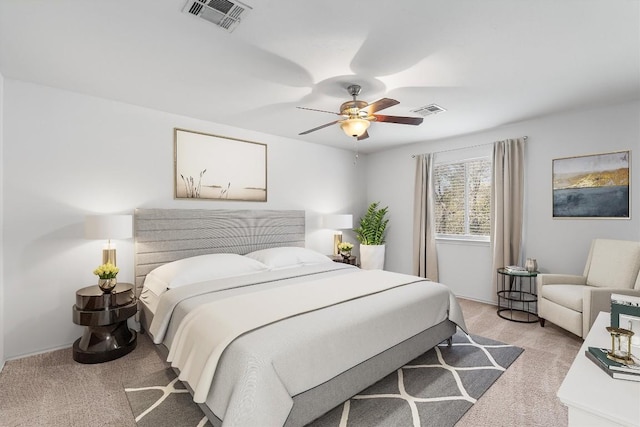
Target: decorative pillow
x=199, y=269
x=288, y=257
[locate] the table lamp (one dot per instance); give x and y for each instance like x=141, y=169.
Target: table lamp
x=337, y=222
x=108, y=227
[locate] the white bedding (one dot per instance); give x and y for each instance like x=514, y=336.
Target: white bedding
x=150, y=299
x=259, y=373
x=207, y=331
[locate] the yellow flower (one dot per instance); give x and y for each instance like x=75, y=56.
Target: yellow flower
x=106, y=271
x=345, y=246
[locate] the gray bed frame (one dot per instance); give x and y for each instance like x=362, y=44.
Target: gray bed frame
x=165, y=235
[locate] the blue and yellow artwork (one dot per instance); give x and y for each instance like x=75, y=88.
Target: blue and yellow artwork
x=592, y=186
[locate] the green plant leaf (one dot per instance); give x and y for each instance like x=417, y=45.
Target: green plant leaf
x=372, y=225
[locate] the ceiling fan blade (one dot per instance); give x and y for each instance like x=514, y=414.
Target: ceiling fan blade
x=380, y=104
x=399, y=119
x=365, y=135
x=322, y=111
x=318, y=128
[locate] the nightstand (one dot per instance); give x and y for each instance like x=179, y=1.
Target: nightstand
x=106, y=335
x=353, y=260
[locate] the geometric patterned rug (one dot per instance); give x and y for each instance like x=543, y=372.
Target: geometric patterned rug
x=435, y=389
x=160, y=399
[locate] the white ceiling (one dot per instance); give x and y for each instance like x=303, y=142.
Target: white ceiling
x=489, y=62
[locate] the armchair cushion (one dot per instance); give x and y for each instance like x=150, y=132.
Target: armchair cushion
x=567, y=279
x=569, y=296
x=613, y=263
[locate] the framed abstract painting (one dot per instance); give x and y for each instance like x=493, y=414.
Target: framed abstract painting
x=212, y=167
x=592, y=186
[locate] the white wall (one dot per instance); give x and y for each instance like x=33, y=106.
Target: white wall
x=2, y=358
x=67, y=155
x=558, y=245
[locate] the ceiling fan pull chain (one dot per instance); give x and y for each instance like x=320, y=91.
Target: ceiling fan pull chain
x=355, y=157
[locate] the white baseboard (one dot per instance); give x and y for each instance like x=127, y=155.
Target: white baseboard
x=35, y=353
x=477, y=300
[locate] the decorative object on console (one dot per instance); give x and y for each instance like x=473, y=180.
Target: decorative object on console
x=371, y=235
x=531, y=265
x=107, y=227
x=592, y=186
x=623, y=305
x=620, y=345
x=219, y=168
x=337, y=222
x=625, y=313
x=618, y=370
x=516, y=269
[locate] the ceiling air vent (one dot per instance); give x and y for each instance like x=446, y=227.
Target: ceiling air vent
x=223, y=13
x=428, y=110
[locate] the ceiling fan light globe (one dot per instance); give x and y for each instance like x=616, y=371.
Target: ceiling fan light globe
x=355, y=127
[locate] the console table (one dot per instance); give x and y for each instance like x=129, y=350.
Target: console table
x=594, y=398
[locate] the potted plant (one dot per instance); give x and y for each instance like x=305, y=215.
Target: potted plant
x=345, y=249
x=106, y=276
x=371, y=235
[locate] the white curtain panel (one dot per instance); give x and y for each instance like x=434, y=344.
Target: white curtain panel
x=507, y=203
x=425, y=258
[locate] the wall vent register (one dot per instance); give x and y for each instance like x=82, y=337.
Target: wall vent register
x=223, y=13
x=428, y=110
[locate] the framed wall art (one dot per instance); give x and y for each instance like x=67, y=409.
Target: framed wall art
x=214, y=167
x=592, y=186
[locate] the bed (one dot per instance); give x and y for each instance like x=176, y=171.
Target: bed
x=265, y=332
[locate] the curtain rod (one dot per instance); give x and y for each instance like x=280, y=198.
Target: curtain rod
x=463, y=148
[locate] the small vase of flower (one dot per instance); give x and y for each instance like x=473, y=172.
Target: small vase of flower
x=345, y=249
x=106, y=276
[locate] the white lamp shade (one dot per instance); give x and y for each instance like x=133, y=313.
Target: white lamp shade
x=108, y=227
x=337, y=222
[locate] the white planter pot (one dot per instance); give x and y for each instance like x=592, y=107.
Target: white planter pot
x=372, y=257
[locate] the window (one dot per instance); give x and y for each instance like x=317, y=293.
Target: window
x=463, y=199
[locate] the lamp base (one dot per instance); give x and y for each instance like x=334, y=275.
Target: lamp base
x=109, y=256
x=337, y=239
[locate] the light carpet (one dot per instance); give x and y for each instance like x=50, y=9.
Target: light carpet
x=435, y=389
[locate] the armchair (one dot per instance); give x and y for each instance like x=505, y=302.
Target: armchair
x=573, y=302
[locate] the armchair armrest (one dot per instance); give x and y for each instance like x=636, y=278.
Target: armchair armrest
x=595, y=300
x=564, y=279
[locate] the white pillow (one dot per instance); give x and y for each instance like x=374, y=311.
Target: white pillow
x=288, y=257
x=199, y=269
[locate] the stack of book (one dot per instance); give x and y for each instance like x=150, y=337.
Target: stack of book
x=515, y=269
x=612, y=368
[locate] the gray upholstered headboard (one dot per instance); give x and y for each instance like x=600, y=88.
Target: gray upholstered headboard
x=165, y=235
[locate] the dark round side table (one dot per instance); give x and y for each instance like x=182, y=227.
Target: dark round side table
x=106, y=335
x=353, y=260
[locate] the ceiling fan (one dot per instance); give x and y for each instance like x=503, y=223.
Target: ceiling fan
x=358, y=115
